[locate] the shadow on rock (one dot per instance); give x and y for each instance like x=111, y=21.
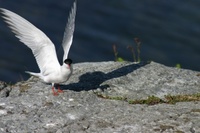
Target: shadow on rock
x=93, y=80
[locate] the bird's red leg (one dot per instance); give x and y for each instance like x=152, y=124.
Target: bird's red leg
x=54, y=92
x=59, y=90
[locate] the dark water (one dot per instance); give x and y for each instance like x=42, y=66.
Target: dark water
x=169, y=31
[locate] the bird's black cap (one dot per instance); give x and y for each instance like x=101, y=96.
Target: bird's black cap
x=68, y=61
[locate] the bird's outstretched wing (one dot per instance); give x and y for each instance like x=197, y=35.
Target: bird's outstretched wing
x=41, y=46
x=69, y=31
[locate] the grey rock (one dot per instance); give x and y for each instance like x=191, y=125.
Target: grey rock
x=31, y=107
x=4, y=89
x=2, y=85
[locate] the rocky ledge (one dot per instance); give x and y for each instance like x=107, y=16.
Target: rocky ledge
x=106, y=97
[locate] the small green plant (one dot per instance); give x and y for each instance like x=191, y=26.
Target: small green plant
x=178, y=65
x=138, y=46
x=133, y=51
x=117, y=58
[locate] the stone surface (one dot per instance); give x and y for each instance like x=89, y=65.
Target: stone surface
x=29, y=106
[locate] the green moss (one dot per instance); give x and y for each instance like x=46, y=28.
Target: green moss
x=152, y=100
x=111, y=97
x=23, y=88
x=182, y=98
x=178, y=65
x=119, y=59
x=195, y=110
x=178, y=131
x=166, y=127
x=118, y=98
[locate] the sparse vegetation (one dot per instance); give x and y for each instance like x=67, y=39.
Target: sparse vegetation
x=152, y=100
x=117, y=58
x=136, y=53
x=133, y=51
x=182, y=98
x=178, y=65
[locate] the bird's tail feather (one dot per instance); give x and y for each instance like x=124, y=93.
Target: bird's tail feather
x=33, y=74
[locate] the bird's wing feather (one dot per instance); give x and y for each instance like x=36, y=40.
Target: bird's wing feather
x=41, y=46
x=69, y=30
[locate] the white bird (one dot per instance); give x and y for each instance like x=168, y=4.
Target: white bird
x=43, y=49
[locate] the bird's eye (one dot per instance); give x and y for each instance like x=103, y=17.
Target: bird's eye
x=68, y=61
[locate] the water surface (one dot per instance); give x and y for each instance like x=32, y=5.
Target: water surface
x=169, y=31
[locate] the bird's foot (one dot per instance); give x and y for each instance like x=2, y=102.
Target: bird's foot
x=54, y=92
x=59, y=90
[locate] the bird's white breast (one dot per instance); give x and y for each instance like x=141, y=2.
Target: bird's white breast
x=58, y=76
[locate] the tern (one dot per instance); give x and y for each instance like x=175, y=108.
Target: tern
x=43, y=49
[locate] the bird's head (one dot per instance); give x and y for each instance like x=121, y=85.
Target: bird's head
x=68, y=62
